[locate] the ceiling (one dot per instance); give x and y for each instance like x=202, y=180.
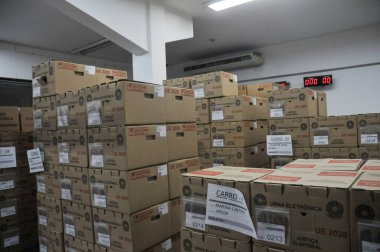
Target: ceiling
x=253, y=25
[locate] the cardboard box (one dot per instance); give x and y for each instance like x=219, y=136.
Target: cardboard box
x=72, y=147
x=238, y=108
x=302, y=153
x=175, y=205
x=45, y=113
x=202, y=111
x=282, y=202
x=204, y=135
x=16, y=211
x=172, y=244
x=47, y=141
x=77, y=221
x=371, y=166
x=238, y=134
x=322, y=103
x=194, y=195
x=57, y=77
x=342, y=153
x=205, y=157
x=294, y=103
x=369, y=152
x=214, y=84
x=9, y=119
x=184, y=82
x=334, y=131
x=176, y=168
x=105, y=75
x=369, y=129
x=75, y=244
x=260, y=89
x=180, y=104
x=49, y=212
x=117, y=103
x=48, y=182
x=298, y=128
x=250, y=156
x=29, y=191
x=325, y=164
x=134, y=232
x=71, y=110
x=75, y=184
x=365, y=212
x=15, y=177
x=207, y=242
x=182, y=141
x=50, y=240
x=129, y=191
x=279, y=162
x=127, y=148
x=26, y=119
x=20, y=238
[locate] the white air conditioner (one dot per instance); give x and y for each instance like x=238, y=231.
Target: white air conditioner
x=226, y=62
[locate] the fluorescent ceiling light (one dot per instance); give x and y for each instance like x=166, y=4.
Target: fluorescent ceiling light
x=225, y=4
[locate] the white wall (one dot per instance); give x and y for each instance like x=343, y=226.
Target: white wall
x=352, y=57
x=17, y=61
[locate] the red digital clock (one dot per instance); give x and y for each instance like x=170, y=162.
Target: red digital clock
x=315, y=81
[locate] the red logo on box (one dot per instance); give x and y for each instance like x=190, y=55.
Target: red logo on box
x=258, y=170
x=369, y=183
x=308, y=166
x=281, y=178
x=338, y=174
x=207, y=173
x=371, y=168
x=344, y=161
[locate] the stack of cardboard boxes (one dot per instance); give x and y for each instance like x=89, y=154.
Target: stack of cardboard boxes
x=17, y=185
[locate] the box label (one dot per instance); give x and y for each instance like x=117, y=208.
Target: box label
x=69, y=229
x=369, y=139
x=36, y=88
x=7, y=157
x=276, y=112
x=7, y=184
x=161, y=130
x=11, y=241
x=370, y=246
x=162, y=170
x=66, y=189
x=96, y=154
x=226, y=207
x=279, y=145
x=41, y=187
x=218, y=142
x=217, y=115
x=271, y=232
x=163, y=208
x=93, y=113
x=37, y=118
x=167, y=245
x=35, y=161
x=7, y=211
x=195, y=220
x=159, y=90
x=97, y=161
x=100, y=200
x=321, y=140
x=43, y=248
x=199, y=91
x=42, y=220
x=62, y=115
x=90, y=70
x=63, y=150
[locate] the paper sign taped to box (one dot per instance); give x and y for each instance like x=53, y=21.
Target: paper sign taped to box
x=279, y=145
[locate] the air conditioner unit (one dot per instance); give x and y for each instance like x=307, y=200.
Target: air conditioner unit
x=226, y=62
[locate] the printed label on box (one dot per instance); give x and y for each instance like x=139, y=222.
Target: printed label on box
x=167, y=245
x=217, y=115
x=35, y=161
x=161, y=130
x=66, y=189
x=11, y=241
x=64, y=150
x=195, y=220
x=93, y=113
x=7, y=211
x=279, y=145
x=218, y=142
x=37, y=118
x=199, y=91
x=163, y=208
x=90, y=70
x=42, y=218
x=36, y=88
x=370, y=246
x=162, y=170
x=102, y=234
x=96, y=154
x=43, y=248
x=62, y=116
x=271, y=232
x=69, y=222
x=159, y=90
x=276, y=112
x=369, y=139
x=321, y=140
x=253, y=100
x=7, y=157
x=6, y=185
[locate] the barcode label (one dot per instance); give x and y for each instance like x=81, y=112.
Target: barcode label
x=7, y=157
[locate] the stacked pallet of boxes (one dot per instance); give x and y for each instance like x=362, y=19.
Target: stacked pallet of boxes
x=17, y=185
x=59, y=112
x=292, y=112
x=369, y=135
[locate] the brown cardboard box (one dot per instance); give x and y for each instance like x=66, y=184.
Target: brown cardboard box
x=45, y=113
x=50, y=240
x=194, y=195
x=20, y=238
x=371, y=166
x=72, y=147
x=242, y=89
x=204, y=135
x=294, y=103
x=71, y=109
x=75, y=244
x=182, y=141
x=369, y=129
x=238, y=134
x=184, y=82
x=202, y=111
x=365, y=212
x=48, y=182
x=9, y=119
x=15, y=177
x=214, y=84
x=250, y=156
x=77, y=221
x=369, y=152
x=303, y=153
x=334, y=131
x=180, y=105
x=47, y=141
x=173, y=244
x=261, y=89
x=105, y=75
x=176, y=168
x=26, y=119
x=207, y=242
x=325, y=164
x=57, y=77
x=298, y=128
x=29, y=191
x=175, y=205
x=15, y=211
x=75, y=184
x=205, y=157
x=127, y=148
x=134, y=232
x=322, y=104
x=125, y=103
x=49, y=212
x=282, y=202
x=279, y=162
x=342, y=153
x=238, y=108
x=129, y=191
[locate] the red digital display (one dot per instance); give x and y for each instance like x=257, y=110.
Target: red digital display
x=315, y=81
